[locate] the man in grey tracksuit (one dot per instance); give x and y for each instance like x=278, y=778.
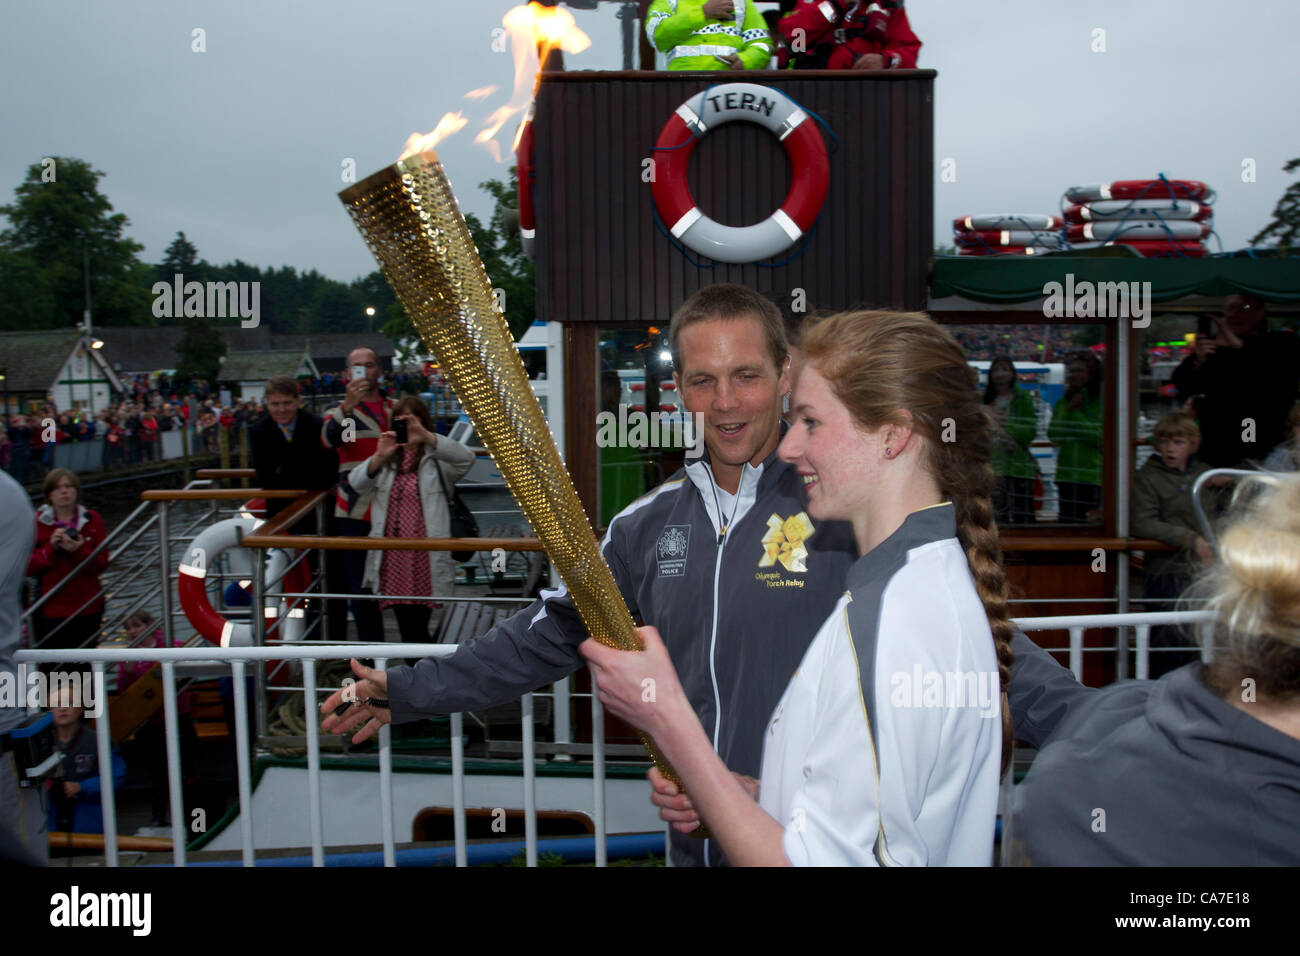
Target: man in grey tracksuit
x=721, y=559
x=736, y=631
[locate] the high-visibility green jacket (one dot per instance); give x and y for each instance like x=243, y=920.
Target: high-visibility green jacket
x=692, y=41
x=1009, y=453
x=1078, y=432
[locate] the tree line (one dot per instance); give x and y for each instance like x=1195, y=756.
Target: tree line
x=62, y=240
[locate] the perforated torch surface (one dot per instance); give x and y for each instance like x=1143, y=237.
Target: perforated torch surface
x=409, y=219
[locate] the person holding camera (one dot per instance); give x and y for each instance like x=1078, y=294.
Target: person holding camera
x=410, y=476
x=66, y=533
x=353, y=426
x=1241, y=380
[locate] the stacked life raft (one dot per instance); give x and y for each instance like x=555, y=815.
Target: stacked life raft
x=1153, y=217
x=998, y=234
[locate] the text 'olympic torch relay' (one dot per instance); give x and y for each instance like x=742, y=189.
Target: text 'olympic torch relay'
x=409, y=219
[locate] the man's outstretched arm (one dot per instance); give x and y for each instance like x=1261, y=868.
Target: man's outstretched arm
x=1041, y=693
x=533, y=648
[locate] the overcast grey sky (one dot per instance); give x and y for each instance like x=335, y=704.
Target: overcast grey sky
x=241, y=146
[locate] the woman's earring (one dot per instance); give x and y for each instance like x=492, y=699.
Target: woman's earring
x=889, y=453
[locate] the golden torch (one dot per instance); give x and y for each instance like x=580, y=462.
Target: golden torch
x=409, y=219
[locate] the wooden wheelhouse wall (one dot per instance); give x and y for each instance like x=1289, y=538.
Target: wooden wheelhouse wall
x=602, y=260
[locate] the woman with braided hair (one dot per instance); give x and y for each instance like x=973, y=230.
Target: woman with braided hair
x=885, y=747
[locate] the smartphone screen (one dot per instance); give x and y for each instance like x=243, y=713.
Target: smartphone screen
x=358, y=371
x=399, y=429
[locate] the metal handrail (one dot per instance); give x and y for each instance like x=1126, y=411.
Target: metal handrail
x=240, y=658
x=1202, y=518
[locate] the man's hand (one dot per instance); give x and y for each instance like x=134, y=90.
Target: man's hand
x=1205, y=347
x=732, y=60
x=357, y=389
x=869, y=61
x=371, y=684
x=720, y=9
x=1227, y=338
x=1203, y=551
x=71, y=788
x=676, y=808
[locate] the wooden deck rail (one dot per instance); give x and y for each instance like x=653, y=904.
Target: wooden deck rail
x=390, y=544
x=218, y=494
x=216, y=474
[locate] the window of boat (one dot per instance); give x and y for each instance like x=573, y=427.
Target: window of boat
x=639, y=427
x=1046, y=388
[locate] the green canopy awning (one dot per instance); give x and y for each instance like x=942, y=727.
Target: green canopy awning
x=1007, y=279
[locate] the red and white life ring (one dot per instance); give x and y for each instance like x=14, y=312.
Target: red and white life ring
x=1152, y=247
x=1140, y=229
x=202, y=551
x=526, y=173
x=1141, y=189
x=1145, y=209
x=1032, y=221
x=782, y=117
x=1001, y=251
x=1149, y=247
x=1009, y=237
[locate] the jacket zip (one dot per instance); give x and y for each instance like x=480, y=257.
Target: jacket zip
x=736, y=515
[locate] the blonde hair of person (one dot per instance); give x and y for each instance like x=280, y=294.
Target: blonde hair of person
x=1254, y=589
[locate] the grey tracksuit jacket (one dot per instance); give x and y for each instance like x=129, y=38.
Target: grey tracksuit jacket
x=1161, y=773
x=735, y=623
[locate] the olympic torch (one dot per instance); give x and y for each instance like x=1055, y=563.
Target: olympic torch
x=409, y=218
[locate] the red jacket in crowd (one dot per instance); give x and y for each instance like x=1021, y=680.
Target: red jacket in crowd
x=52, y=564
x=832, y=34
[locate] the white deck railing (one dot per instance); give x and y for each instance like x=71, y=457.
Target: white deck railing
x=310, y=653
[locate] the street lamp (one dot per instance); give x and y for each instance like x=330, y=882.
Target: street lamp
x=370, y=318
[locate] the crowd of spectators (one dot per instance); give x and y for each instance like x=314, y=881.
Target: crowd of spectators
x=130, y=429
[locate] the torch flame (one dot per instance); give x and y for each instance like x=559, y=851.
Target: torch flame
x=419, y=142
x=534, y=31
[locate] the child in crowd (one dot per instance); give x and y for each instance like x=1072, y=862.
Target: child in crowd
x=74, y=798
x=1162, y=509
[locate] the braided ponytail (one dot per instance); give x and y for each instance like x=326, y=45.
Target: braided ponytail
x=966, y=477
x=882, y=363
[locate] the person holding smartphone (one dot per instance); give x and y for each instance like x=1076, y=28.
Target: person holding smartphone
x=353, y=427
x=409, y=501
x=1241, y=380
x=66, y=533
